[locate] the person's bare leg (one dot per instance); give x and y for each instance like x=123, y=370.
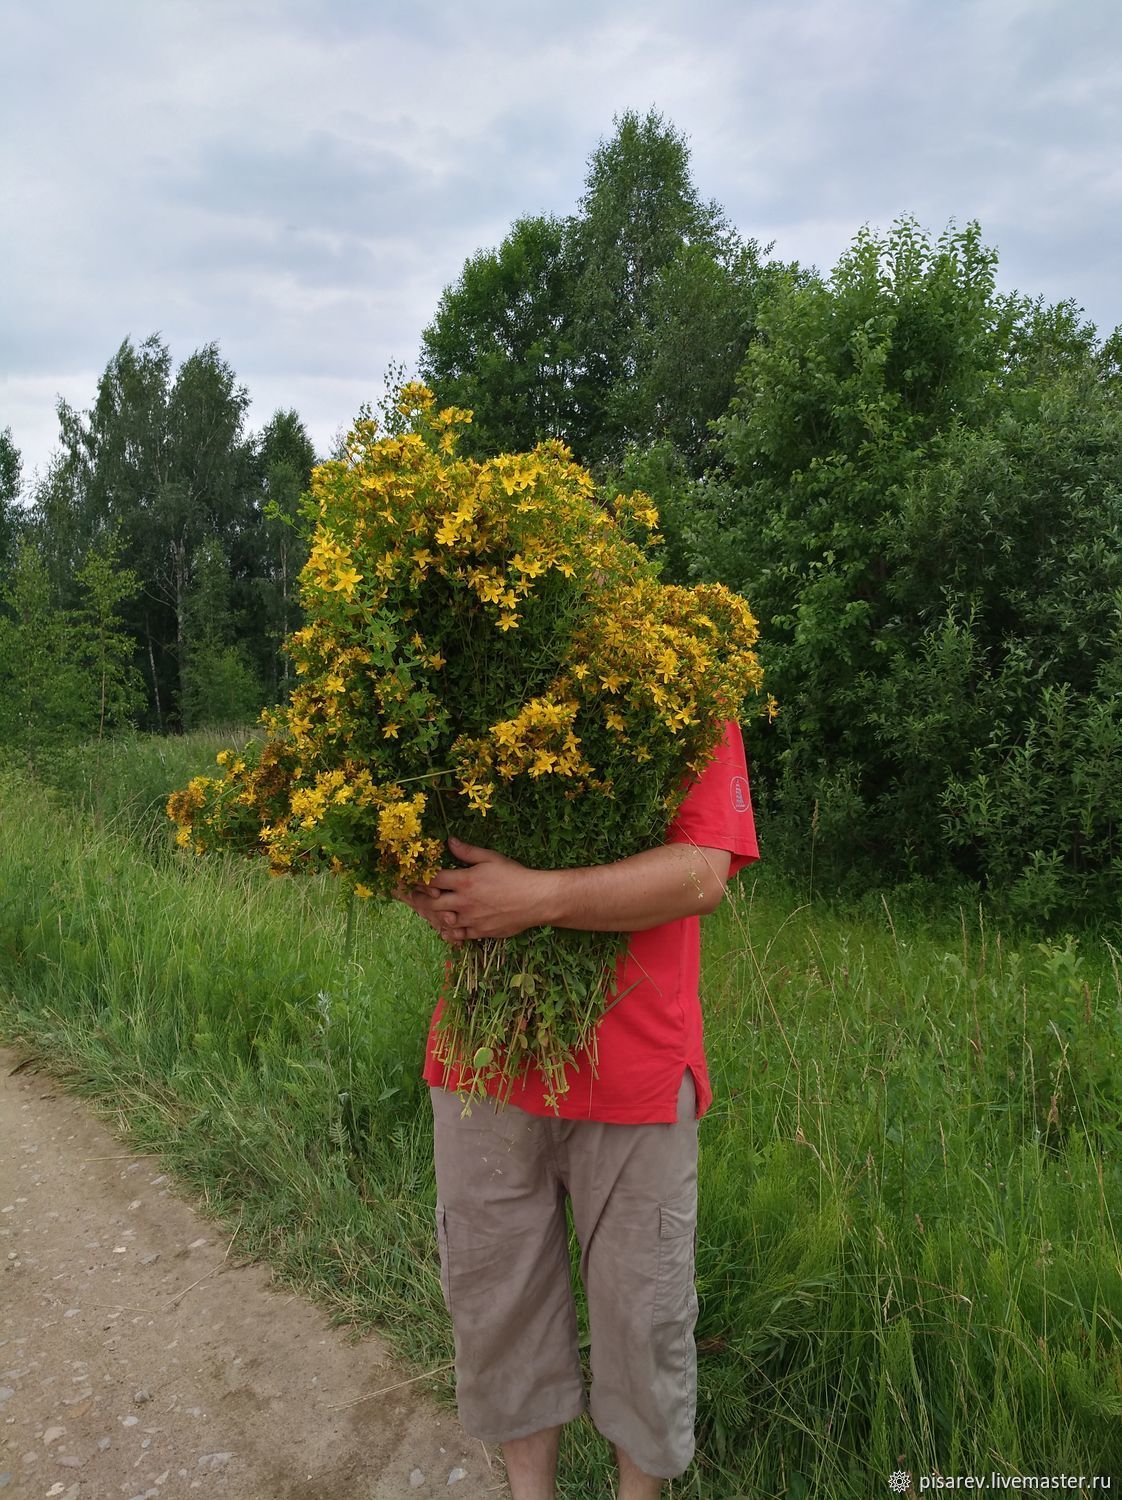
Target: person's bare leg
x=635, y=1483
x=531, y=1464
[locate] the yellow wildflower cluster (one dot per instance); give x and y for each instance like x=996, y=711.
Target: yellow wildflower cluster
x=411, y=856
x=691, y=662
x=239, y=809
x=487, y=651
x=183, y=806
x=540, y=740
x=637, y=518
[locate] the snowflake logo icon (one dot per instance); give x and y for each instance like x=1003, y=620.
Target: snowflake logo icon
x=899, y=1481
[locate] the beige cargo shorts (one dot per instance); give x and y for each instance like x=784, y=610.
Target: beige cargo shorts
x=502, y=1178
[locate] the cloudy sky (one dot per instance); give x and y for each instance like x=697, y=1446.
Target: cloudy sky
x=298, y=181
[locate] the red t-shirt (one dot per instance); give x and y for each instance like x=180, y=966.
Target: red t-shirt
x=647, y=1039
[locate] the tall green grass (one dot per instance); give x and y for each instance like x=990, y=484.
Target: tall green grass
x=911, y=1194
x=911, y=1177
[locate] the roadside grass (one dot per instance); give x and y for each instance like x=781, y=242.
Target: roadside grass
x=123, y=782
x=912, y=1192
x=911, y=1177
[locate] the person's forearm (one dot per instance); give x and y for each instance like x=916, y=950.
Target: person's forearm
x=646, y=890
x=491, y=896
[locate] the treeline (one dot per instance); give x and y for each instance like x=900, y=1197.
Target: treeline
x=916, y=480
x=150, y=577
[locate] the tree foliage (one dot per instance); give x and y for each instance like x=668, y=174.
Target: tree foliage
x=221, y=686
x=10, y=479
x=41, y=697
x=66, y=672
x=115, y=687
x=497, y=345
x=623, y=322
x=700, y=320
x=920, y=495
x=639, y=212
x=275, y=548
x=162, y=462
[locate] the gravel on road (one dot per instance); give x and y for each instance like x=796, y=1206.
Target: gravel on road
x=139, y=1362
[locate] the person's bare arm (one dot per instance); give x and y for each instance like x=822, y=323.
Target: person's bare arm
x=498, y=897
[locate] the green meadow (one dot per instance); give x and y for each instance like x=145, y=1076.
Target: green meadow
x=911, y=1176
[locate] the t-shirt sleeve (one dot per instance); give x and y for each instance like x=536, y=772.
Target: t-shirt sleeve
x=716, y=812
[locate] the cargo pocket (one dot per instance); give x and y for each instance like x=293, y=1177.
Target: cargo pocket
x=675, y=1297
x=442, y=1246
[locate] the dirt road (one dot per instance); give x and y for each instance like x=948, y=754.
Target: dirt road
x=136, y=1363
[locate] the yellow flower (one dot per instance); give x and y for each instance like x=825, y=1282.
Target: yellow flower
x=480, y=794
x=345, y=581
x=448, y=531
x=415, y=396
x=489, y=588
x=450, y=548
x=667, y=666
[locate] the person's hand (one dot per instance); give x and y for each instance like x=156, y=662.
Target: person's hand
x=493, y=897
x=420, y=898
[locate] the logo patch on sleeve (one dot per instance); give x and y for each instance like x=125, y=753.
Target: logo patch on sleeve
x=738, y=790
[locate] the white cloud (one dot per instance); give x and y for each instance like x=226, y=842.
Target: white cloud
x=298, y=182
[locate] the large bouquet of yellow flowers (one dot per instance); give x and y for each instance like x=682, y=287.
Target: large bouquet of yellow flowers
x=489, y=653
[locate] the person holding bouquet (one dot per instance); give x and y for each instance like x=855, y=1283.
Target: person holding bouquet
x=620, y=1143
x=491, y=668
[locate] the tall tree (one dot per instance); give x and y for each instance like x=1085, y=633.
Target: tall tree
x=624, y=323
x=10, y=466
x=116, y=687
x=43, y=706
x=639, y=210
x=112, y=470
x=165, y=463
x=118, y=454
x=498, y=342
x=285, y=458
x=206, y=494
